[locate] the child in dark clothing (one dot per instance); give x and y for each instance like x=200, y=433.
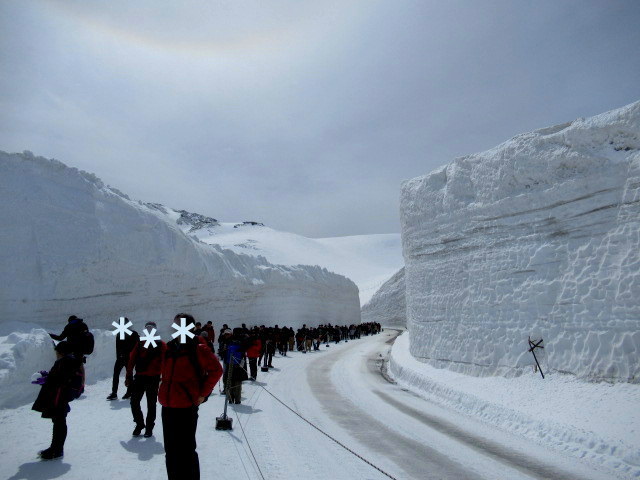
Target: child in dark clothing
x=59, y=388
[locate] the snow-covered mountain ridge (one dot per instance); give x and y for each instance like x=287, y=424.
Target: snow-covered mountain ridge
x=540, y=237
x=70, y=244
x=367, y=260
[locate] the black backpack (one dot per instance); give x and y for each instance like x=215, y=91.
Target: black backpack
x=75, y=385
x=87, y=342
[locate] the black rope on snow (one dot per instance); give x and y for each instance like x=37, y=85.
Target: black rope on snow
x=249, y=445
x=240, y=423
x=321, y=431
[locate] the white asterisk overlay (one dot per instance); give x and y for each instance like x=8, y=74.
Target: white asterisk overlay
x=183, y=330
x=149, y=338
x=122, y=328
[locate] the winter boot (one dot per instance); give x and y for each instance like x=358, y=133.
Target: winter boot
x=138, y=430
x=148, y=432
x=50, y=454
x=112, y=396
x=126, y=396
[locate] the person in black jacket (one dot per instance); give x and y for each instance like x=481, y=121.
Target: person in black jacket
x=73, y=333
x=55, y=395
x=123, y=350
x=147, y=363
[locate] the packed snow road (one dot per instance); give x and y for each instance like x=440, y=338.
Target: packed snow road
x=339, y=389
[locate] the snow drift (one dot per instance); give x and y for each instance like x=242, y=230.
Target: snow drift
x=388, y=305
x=24, y=353
x=70, y=244
x=537, y=237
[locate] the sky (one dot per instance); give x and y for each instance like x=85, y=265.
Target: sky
x=304, y=115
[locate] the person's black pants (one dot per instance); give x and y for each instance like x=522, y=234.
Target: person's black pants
x=121, y=362
x=179, y=429
x=59, y=433
x=253, y=367
x=144, y=385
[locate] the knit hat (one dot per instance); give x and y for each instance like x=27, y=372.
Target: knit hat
x=150, y=324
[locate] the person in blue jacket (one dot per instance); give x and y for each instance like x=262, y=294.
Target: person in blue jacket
x=234, y=366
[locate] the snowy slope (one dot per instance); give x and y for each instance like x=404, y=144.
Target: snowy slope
x=538, y=236
x=388, y=305
x=70, y=244
x=367, y=260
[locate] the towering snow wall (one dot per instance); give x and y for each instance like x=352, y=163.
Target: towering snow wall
x=388, y=306
x=539, y=236
x=71, y=245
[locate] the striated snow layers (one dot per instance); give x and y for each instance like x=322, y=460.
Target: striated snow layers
x=71, y=245
x=388, y=306
x=540, y=237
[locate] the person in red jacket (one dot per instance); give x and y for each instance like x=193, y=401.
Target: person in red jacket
x=190, y=371
x=147, y=363
x=253, y=353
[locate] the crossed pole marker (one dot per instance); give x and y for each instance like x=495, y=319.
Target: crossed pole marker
x=532, y=346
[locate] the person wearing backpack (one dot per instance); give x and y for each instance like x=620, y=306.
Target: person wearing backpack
x=147, y=363
x=123, y=350
x=77, y=334
x=63, y=384
x=190, y=370
x=234, y=366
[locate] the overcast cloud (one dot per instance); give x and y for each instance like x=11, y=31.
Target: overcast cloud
x=303, y=114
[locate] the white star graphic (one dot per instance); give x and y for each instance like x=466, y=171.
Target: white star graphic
x=122, y=328
x=182, y=330
x=149, y=338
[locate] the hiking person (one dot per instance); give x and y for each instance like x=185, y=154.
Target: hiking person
x=123, y=350
x=292, y=339
x=63, y=384
x=198, y=330
x=234, y=369
x=211, y=332
x=189, y=372
x=268, y=347
x=223, y=339
x=78, y=336
x=147, y=362
x=253, y=353
x=205, y=336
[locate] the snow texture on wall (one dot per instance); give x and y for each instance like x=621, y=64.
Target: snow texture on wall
x=538, y=236
x=71, y=245
x=24, y=353
x=388, y=305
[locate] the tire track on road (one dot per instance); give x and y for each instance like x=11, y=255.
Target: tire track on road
x=415, y=459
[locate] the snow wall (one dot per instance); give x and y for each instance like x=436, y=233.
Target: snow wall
x=71, y=245
x=388, y=305
x=537, y=237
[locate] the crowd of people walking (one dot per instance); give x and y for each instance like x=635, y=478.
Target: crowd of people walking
x=181, y=375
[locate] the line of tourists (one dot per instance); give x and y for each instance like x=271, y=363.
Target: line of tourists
x=180, y=375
